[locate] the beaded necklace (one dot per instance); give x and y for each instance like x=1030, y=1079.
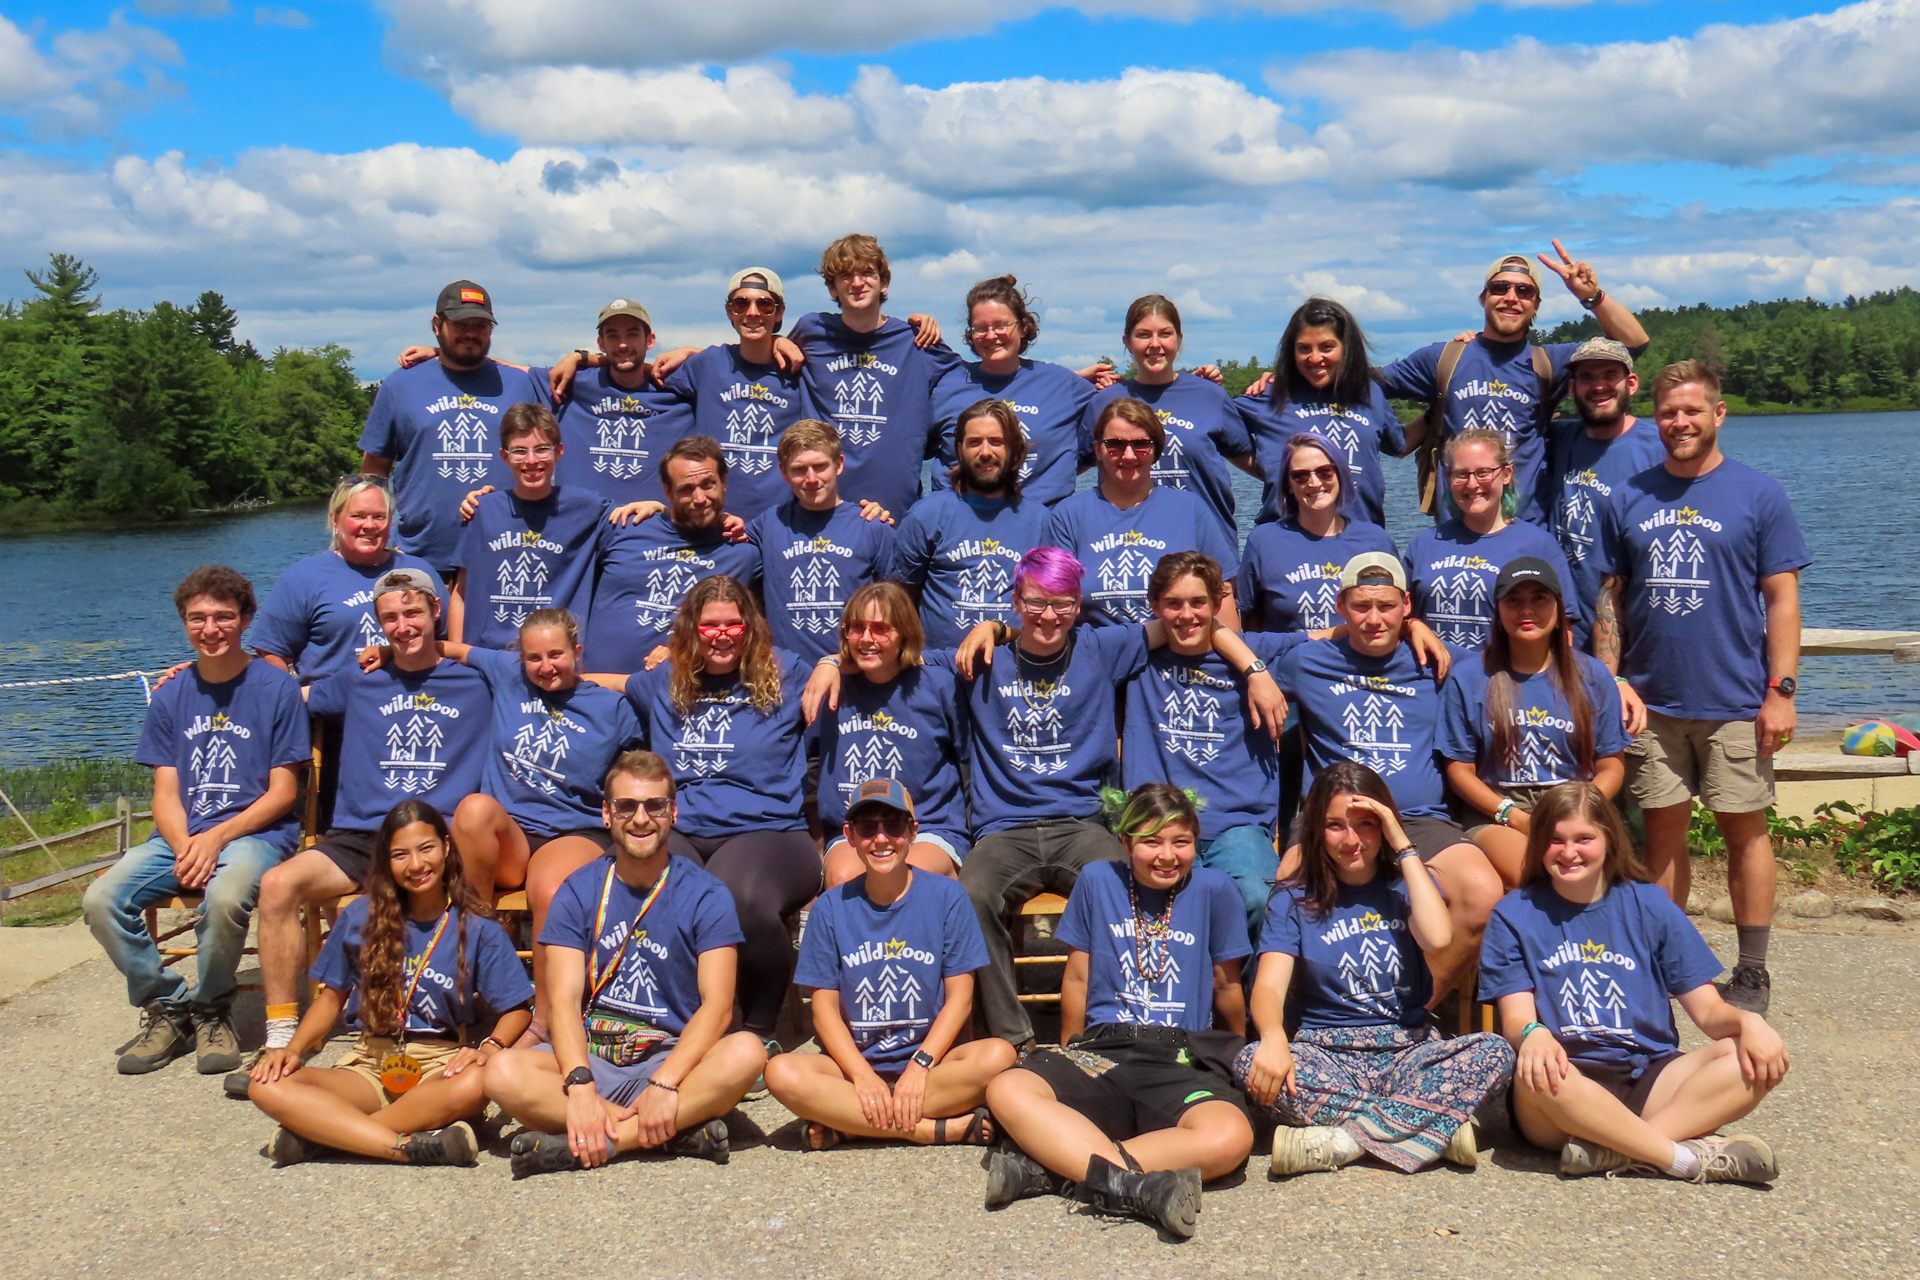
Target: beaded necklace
x=1152, y=935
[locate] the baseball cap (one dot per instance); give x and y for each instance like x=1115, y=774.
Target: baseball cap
x=1602, y=349
x=1519, y=262
x=756, y=278
x=407, y=580
x=1373, y=561
x=886, y=792
x=464, y=300
x=624, y=307
x=1525, y=569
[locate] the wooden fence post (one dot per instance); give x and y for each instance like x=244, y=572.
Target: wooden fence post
x=123, y=809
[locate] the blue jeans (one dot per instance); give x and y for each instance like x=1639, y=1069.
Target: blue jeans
x=116, y=903
x=1247, y=854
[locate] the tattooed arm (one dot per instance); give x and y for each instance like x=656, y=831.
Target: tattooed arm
x=1606, y=624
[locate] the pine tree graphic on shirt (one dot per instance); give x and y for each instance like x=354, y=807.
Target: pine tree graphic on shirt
x=857, y=402
x=816, y=603
x=1532, y=760
x=1371, y=972
x=413, y=761
x=1576, y=522
x=1122, y=589
x=666, y=586
x=1372, y=725
x=1034, y=730
x=1592, y=1006
x=637, y=988
x=874, y=756
x=1188, y=726
x=370, y=632
x=1675, y=584
x=1316, y=604
x=888, y=1008
x=1152, y=1003
x=1340, y=433
x=521, y=587
x=702, y=747
x=749, y=446
x=538, y=752
x=1171, y=469
x=211, y=772
x=463, y=453
x=621, y=452
x=1458, y=608
x=1493, y=415
x=983, y=590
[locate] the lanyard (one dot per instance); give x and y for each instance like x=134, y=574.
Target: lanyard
x=597, y=982
x=433, y=943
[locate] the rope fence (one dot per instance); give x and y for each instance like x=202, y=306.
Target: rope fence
x=144, y=677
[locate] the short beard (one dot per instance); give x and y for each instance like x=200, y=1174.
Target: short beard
x=975, y=483
x=685, y=519
x=1590, y=419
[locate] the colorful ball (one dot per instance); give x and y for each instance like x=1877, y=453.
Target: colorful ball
x=1878, y=738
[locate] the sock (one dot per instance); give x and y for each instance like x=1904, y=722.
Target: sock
x=280, y=1032
x=1753, y=944
x=1684, y=1163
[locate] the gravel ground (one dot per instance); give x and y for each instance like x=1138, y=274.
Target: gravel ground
x=161, y=1176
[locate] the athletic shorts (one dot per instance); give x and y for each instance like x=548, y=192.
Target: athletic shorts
x=621, y=1085
x=1129, y=1087
x=956, y=846
x=1619, y=1079
x=365, y=1057
x=1674, y=760
x=351, y=851
x=1432, y=835
x=599, y=835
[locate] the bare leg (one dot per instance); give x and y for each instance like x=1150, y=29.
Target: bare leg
x=1506, y=849
x=493, y=849
x=1751, y=871
x=526, y=1084
x=1668, y=859
x=1472, y=888
x=1694, y=1096
x=309, y=876
x=812, y=1086
x=931, y=857
x=1214, y=1137
x=550, y=865
x=1701, y=1092
x=341, y=1109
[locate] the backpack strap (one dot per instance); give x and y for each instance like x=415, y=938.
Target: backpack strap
x=1427, y=456
x=1543, y=372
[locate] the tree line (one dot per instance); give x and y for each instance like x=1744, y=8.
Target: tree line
x=156, y=413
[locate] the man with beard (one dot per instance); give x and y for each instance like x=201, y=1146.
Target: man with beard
x=956, y=550
x=615, y=422
x=433, y=426
x=1498, y=379
x=1590, y=458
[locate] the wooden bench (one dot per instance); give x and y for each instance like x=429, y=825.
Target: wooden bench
x=1040, y=904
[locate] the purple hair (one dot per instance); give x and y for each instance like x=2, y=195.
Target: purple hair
x=1051, y=569
x=1349, y=498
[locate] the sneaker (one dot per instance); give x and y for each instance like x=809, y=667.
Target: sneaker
x=1315, y=1149
x=286, y=1147
x=1748, y=987
x=454, y=1145
x=1581, y=1158
x=533, y=1153
x=1015, y=1175
x=165, y=1034
x=1168, y=1198
x=707, y=1141
x=1740, y=1157
x=216, y=1046
x=1463, y=1150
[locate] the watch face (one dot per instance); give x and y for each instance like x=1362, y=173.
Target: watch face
x=1787, y=685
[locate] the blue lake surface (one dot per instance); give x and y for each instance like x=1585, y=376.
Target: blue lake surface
x=93, y=603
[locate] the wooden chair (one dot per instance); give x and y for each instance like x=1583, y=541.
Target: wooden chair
x=1039, y=905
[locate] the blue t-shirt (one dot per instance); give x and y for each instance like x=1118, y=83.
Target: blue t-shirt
x=415, y=735
x=615, y=438
x=1602, y=974
x=1544, y=752
x=1187, y=724
x=1690, y=555
x=1359, y=965
x=1582, y=474
x=1290, y=580
x=877, y=390
x=646, y=570
x=658, y=980
x=225, y=740
x=320, y=614
x=1209, y=928
x=746, y=407
x=1203, y=431
x=960, y=552
x=1380, y=712
x=550, y=751
x=1362, y=431
x=910, y=728
x=1049, y=400
x=1451, y=571
x=442, y=430
x=526, y=554
x=735, y=768
x=814, y=561
x=1121, y=548
x=495, y=976
x=890, y=963
x=1492, y=386
x=1041, y=734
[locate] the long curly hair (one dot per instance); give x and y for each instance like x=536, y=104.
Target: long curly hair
x=759, y=670
x=383, y=940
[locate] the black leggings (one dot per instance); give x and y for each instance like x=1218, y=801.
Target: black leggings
x=771, y=874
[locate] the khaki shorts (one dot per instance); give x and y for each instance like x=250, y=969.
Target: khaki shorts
x=364, y=1059
x=1718, y=761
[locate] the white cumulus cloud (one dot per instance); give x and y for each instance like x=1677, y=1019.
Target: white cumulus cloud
x=80, y=85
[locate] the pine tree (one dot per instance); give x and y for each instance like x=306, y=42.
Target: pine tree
x=213, y=321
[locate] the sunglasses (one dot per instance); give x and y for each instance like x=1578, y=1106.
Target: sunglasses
x=868, y=826
x=1121, y=448
x=722, y=630
x=753, y=306
x=1501, y=288
x=878, y=630
x=363, y=477
x=1325, y=475
x=657, y=807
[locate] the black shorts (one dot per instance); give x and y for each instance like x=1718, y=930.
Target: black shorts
x=599, y=835
x=351, y=851
x=1433, y=835
x=1128, y=1087
x=1619, y=1079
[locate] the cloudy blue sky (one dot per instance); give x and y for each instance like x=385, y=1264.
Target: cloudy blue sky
x=329, y=166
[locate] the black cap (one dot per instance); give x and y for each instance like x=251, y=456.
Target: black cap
x=1526, y=569
x=464, y=300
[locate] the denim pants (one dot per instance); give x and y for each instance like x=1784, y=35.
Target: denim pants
x=115, y=906
x=1247, y=854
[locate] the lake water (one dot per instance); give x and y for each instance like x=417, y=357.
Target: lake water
x=93, y=603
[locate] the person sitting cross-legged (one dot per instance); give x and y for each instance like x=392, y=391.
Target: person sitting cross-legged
x=890, y=958
x=409, y=964
x=642, y=948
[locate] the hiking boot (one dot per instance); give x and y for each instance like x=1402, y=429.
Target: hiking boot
x=533, y=1153
x=216, y=1046
x=1015, y=1175
x=1168, y=1198
x=1314, y=1149
x=1581, y=1158
x=1739, y=1157
x=454, y=1145
x=165, y=1034
x=707, y=1141
x=286, y=1147
x=1748, y=987
x=1463, y=1150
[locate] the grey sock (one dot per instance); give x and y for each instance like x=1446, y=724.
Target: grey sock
x=1753, y=944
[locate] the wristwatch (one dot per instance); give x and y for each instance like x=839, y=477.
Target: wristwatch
x=1593, y=303
x=1254, y=668
x=586, y=357
x=921, y=1058
x=579, y=1075
x=1784, y=685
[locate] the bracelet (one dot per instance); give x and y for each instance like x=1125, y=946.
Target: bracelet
x=494, y=1042
x=655, y=1084
x=1504, y=811
x=1411, y=851
x=830, y=660
x=1532, y=1027
x=1622, y=680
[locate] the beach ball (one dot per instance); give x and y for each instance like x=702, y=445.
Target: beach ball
x=1878, y=738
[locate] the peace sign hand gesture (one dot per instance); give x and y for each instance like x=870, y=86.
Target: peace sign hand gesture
x=1579, y=277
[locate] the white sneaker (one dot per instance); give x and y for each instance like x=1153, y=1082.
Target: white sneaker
x=1314, y=1149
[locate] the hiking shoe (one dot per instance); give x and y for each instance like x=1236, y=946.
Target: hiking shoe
x=165, y=1034
x=1015, y=1175
x=454, y=1145
x=237, y=1083
x=533, y=1153
x=1581, y=1158
x=1463, y=1150
x=1739, y=1157
x=286, y=1147
x=1314, y=1149
x=1168, y=1198
x=216, y=1046
x=1748, y=987
x=707, y=1141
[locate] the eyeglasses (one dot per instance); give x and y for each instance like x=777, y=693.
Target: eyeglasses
x=1501, y=288
x=868, y=826
x=363, y=477
x=753, y=306
x=882, y=631
x=722, y=630
x=1040, y=608
x=1325, y=475
x=993, y=330
x=1122, y=448
x=656, y=806
x=1483, y=475
x=539, y=453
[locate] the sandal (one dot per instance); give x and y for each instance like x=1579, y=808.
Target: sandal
x=822, y=1138
x=978, y=1133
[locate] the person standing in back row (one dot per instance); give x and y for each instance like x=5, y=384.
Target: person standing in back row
x=1700, y=612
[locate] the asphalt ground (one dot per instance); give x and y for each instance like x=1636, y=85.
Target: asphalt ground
x=162, y=1176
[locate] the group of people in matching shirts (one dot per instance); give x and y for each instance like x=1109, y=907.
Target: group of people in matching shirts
x=693, y=728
